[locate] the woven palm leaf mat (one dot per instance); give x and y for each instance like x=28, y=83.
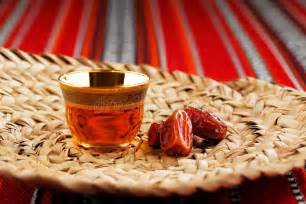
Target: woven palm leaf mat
x=266, y=134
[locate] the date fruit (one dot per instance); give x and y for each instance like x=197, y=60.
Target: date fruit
x=206, y=125
x=154, y=134
x=176, y=134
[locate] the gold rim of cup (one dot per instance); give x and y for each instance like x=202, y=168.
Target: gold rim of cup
x=103, y=88
x=75, y=81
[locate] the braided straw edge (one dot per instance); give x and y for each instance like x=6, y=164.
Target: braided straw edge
x=68, y=183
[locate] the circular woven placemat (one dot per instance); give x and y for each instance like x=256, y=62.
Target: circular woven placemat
x=266, y=135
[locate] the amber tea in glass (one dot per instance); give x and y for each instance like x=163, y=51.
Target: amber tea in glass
x=104, y=109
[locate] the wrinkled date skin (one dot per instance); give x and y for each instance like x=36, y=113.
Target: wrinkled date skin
x=176, y=134
x=206, y=125
x=154, y=134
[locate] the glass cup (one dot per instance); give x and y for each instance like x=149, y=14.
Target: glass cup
x=104, y=109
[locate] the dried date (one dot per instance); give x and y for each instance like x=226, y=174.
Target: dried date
x=176, y=134
x=206, y=125
x=154, y=135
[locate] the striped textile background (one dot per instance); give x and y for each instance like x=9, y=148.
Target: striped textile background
x=221, y=39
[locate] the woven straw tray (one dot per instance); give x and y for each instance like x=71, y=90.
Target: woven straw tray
x=266, y=136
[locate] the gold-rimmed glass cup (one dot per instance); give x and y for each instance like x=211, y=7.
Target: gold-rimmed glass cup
x=104, y=109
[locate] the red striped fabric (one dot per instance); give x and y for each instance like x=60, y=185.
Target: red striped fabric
x=41, y=27
x=90, y=31
x=235, y=43
x=66, y=40
x=175, y=37
x=5, y=10
x=274, y=65
x=147, y=48
x=208, y=42
x=8, y=42
x=221, y=39
x=297, y=11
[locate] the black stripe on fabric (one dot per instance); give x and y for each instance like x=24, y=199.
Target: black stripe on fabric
x=295, y=189
x=275, y=37
x=235, y=195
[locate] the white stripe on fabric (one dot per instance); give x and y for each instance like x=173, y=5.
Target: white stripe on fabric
x=25, y=27
x=296, y=191
x=34, y=196
x=274, y=50
x=190, y=39
x=159, y=33
x=59, y=20
x=111, y=33
x=120, y=34
x=83, y=27
x=128, y=46
x=12, y=20
x=292, y=36
x=227, y=44
x=299, y=197
x=246, y=43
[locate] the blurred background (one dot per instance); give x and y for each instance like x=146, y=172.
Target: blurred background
x=221, y=39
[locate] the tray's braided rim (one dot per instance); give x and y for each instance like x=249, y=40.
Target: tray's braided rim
x=19, y=57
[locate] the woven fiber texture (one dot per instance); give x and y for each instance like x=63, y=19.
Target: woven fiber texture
x=266, y=134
